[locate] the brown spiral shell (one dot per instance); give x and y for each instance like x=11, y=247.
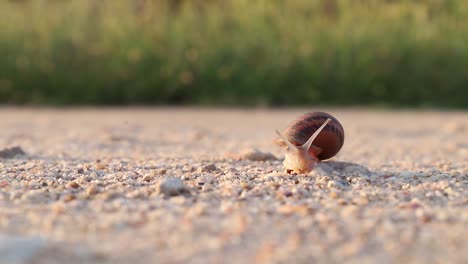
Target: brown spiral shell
x=330, y=140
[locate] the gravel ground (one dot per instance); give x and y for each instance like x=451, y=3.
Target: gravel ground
x=208, y=186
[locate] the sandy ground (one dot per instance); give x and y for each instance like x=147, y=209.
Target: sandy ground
x=95, y=186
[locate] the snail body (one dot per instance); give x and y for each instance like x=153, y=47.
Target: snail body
x=311, y=138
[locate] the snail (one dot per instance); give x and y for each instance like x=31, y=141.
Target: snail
x=309, y=139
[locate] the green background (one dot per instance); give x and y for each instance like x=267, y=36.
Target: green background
x=381, y=53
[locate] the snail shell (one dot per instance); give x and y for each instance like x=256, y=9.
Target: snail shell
x=326, y=145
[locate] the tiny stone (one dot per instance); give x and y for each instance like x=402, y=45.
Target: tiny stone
x=69, y=197
x=287, y=193
x=425, y=218
x=196, y=210
x=93, y=189
x=274, y=184
x=293, y=209
x=362, y=201
x=147, y=178
x=243, y=194
x=136, y=194
x=100, y=166
x=245, y=185
x=208, y=168
x=110, y=195
x=173, y=187
x=342, y=202
x=58, y=208
x=207, y=187
x=73, y=185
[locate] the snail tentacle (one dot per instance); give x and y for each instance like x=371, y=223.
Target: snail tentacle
x=288, y=144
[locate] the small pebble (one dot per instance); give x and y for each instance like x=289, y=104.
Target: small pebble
x=208, y=168
x=147, y=178
x=173, y=187
x=91, y=190
x=293, y=209
x=68, y=197
x=73, y=185
x=207, y=187
x=245, y=185
x=100, y=166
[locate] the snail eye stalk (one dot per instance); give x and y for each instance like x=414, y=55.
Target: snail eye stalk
x=290, y=146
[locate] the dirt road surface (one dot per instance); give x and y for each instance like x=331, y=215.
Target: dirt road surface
x=199, y=186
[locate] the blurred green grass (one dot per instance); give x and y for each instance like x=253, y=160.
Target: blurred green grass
x=244, y=52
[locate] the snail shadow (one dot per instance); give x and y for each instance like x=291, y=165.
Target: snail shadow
x=378, y=177
x=342, y=168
